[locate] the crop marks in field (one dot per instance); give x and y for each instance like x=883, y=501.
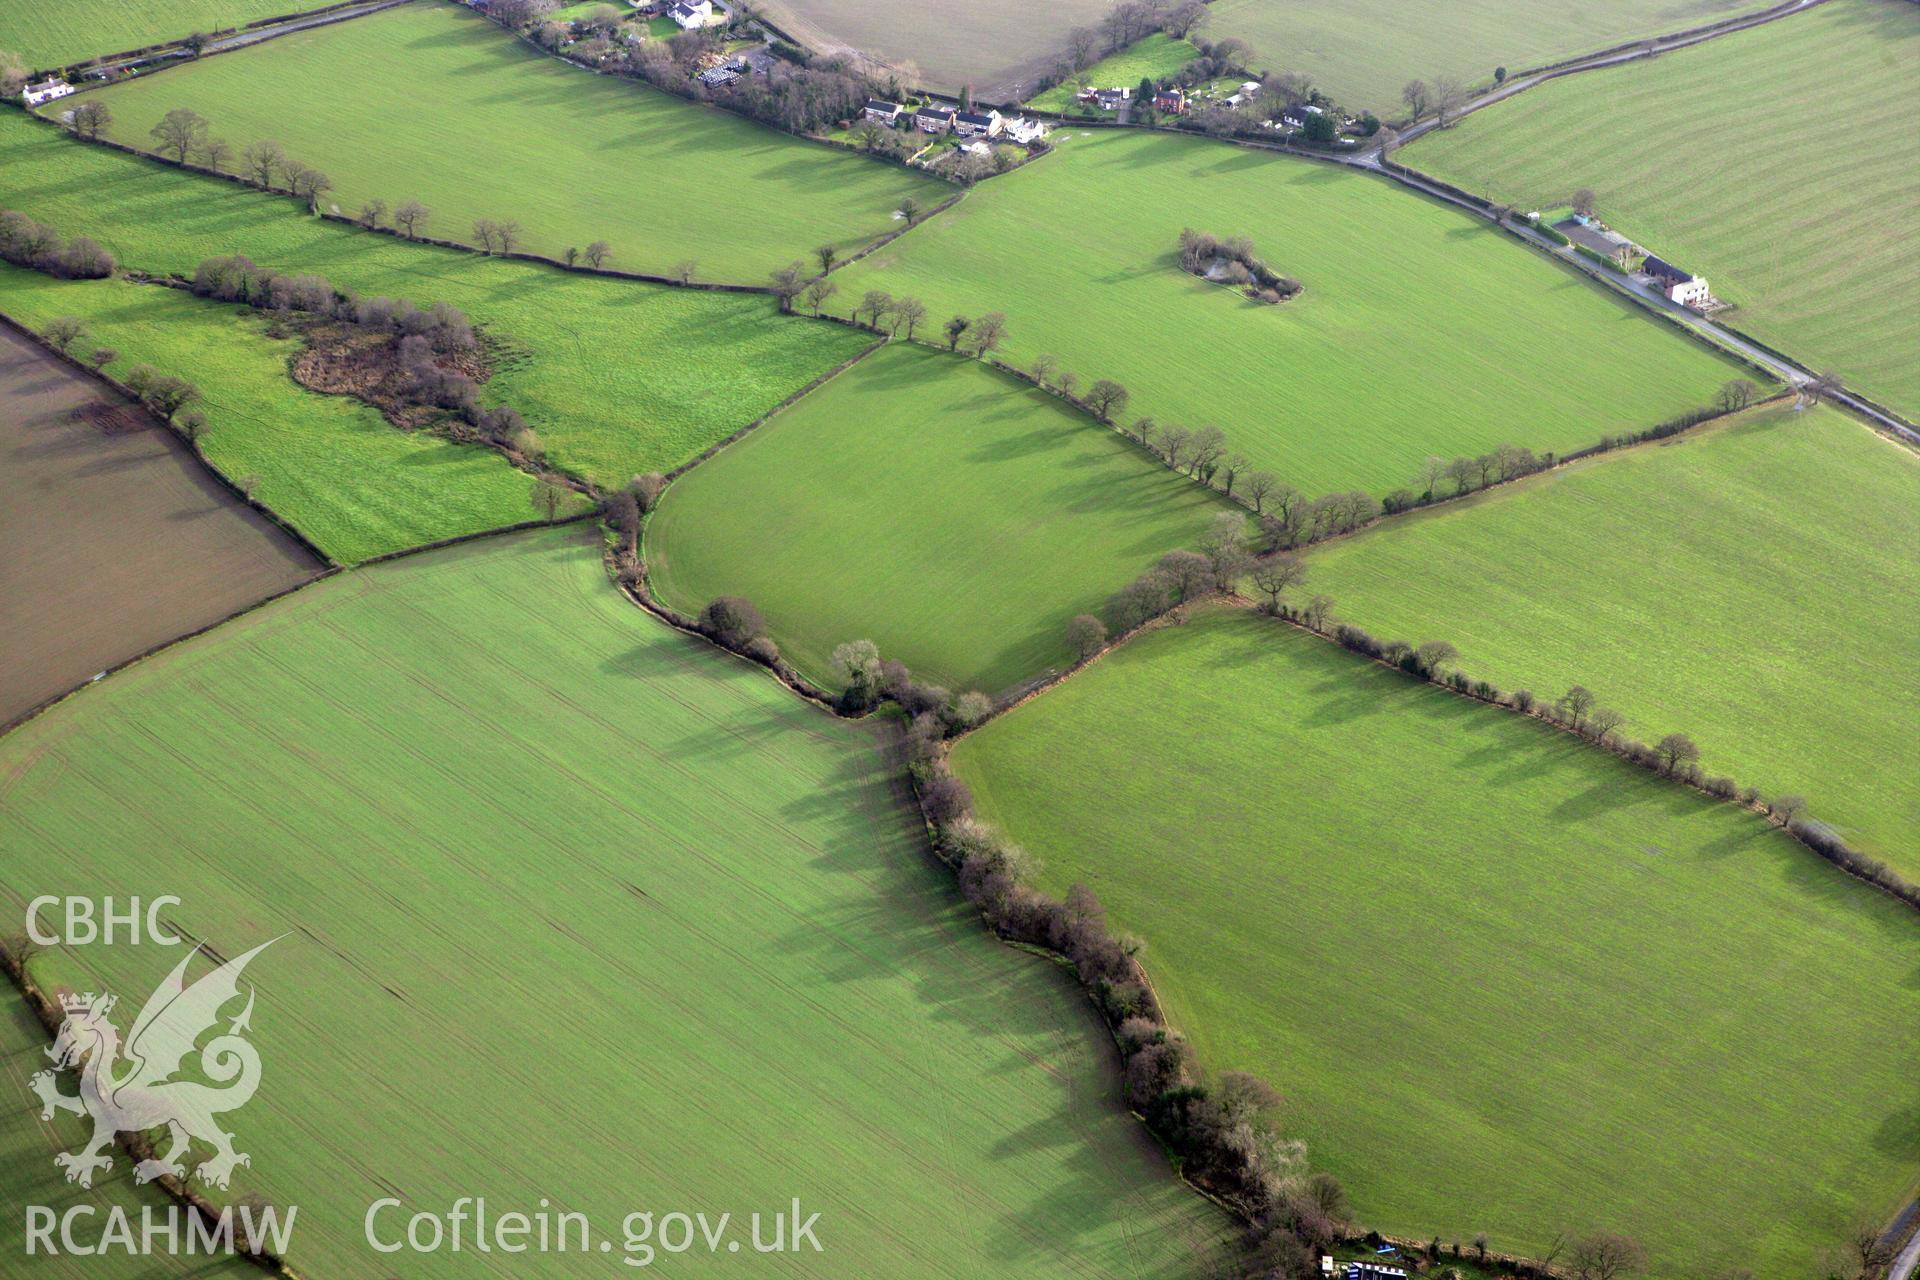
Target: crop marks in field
x=430, y=102
x=556, y=865
x=1421, y=331
x=1507, y=983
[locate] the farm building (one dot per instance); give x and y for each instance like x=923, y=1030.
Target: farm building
x=1022, y=130
x=883, y=112
x=1677, y=283
x=1606, y=243
x=717, y=77
x=974, y=124
x=1112, y=99
x=1172, y=101
x=691, y=15
x=45, y=91
x=933, y=118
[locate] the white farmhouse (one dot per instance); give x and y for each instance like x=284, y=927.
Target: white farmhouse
x=45, y=91
x=691, y=15
x=1679, y=284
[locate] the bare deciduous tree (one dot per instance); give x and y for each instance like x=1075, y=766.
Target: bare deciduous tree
x=598, y=253
x=412, y=217
x=91, y=118
x=1106, y=398
x=1605, y=1255
x=1086, y=635
x=1676, y=751
x=1276, y=575
x=988, y=332
x=180, y=132
x=1418, y=97
x=1575, y=703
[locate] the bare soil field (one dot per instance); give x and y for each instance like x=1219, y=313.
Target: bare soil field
x=113, y=539
x=1000, y=47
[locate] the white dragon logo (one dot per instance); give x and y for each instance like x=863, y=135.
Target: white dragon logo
x=140, y=1094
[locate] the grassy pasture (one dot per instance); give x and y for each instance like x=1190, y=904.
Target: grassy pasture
x=537, y=855
x=1801, y=214
x=1508, y=983
x=28, y=1175
x=116, y=540
x=946, y=512
x=618, y=377
x=1156, y=56
x=352, y=483
x=1363, y=51
x=494, y=129
x=50, y=33
x=1000, y=47
x=1421, y=330
x=1752, y=585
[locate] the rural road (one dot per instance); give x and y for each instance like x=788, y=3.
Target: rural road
x=1907, y=1261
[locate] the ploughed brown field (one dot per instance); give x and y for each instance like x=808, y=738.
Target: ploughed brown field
x=117, y=539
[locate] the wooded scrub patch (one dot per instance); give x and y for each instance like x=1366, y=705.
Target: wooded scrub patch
x=617, y=377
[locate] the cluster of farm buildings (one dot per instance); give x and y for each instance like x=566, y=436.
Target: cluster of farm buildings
x=1675, y=283
x=938, y=118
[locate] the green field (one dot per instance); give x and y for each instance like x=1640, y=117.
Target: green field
x=49, y=33
x=1363, y=52
x=575, y=907
x=496, y=130
x=1508, y=983
x=1157, y=56
x=333, y=467
x=1421, y=330
x=1810, y=235
x=946, y=512
x=618, y=377
x=1753, y=586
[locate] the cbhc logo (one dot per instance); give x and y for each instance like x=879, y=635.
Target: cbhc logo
x=84, y=921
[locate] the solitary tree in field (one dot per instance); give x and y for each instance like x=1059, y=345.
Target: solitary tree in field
x=179, y=133
x=263, y=161
x=1676, y=751
x=412, y=218
x=1106, y=398
x=62, y=332
x=1574, y=705
x=598, y=253
x=549, y=495
x=909, y=208
x=91, y=118
x=1276, y=575
x=1086, y=635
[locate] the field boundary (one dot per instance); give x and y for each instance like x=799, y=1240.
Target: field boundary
x=785, y=404
x=192, y=446
x=244, y=28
